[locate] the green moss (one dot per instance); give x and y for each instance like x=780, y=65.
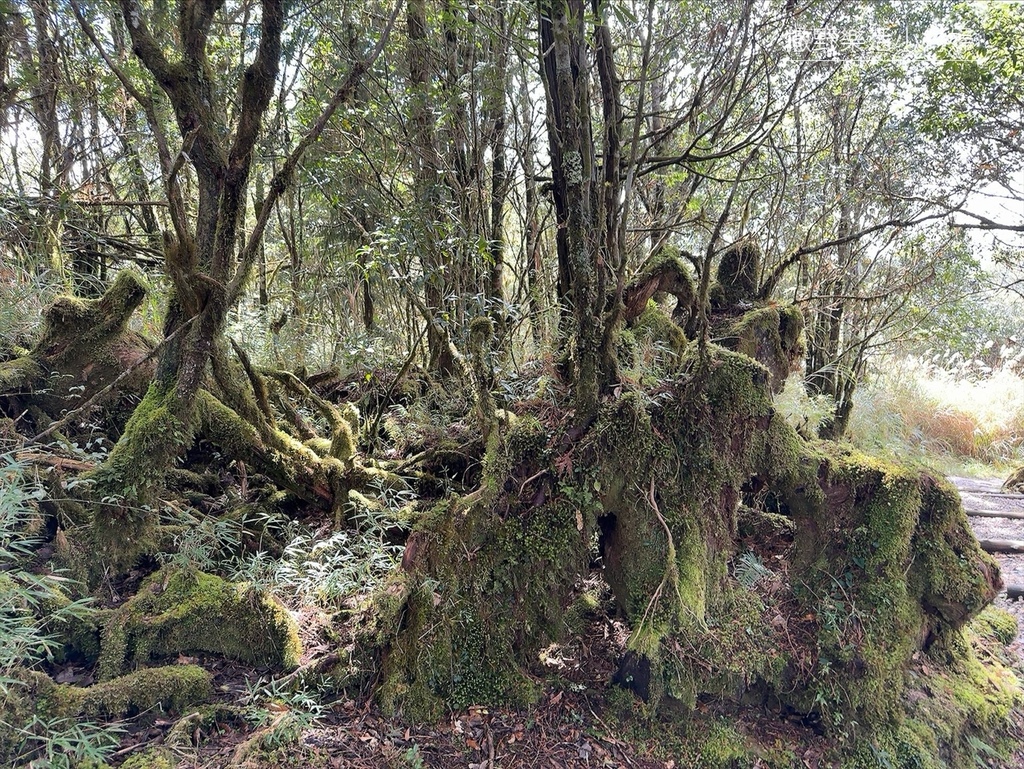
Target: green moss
x=125, y=484
x=657, y=327
x=171, y=688
x=489, y=580
x=343, y=442
x=957, y=579
x=963, y=697
x=185, y=611
x=995, y=623
x=18, y=373
x=90, y=322
x=151, y=758
x=771, y=335
x=321, y=446
x=908, y=745
x=737, y=273
x=722, y=746
x=887, y=566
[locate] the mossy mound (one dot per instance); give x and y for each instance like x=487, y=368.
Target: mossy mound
x=773, y=336
x=33, y=699
x=179, y=611
x=488, y=577
x=959, y=705
x=83, y=346
x=876, y=565
x=885, y=560
x=486, y=582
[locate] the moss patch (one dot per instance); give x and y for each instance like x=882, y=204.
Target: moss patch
x=486, y=585
x=126, y=482
x=172, y=688
x=773, y=336
x=179, y=611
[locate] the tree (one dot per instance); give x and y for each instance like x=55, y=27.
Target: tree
x=686, y=160
x=974, y=100
x=206, y=272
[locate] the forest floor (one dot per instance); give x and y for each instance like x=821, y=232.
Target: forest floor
x=577, y=722
x=572, y=725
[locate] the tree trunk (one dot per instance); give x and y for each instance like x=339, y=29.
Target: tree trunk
x=199, y=259
x=426, y=166
x=580, y=228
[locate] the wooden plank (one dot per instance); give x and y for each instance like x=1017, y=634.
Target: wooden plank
x=1001, y=545
x=1017, y=516
x=996, y=494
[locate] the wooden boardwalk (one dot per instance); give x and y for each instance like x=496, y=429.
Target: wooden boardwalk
x=997, y=518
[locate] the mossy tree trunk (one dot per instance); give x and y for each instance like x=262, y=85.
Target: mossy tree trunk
x=207, y=277
x=879, y=561
x=200, y=254
x=586, y=193
x=85, y=346
x=423, y=129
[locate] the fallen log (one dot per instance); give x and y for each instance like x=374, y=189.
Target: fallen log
x=1014, y=592
x=1017, y=516
x=1001, y=545
x=53, y=460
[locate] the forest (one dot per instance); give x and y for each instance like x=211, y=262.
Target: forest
x=430, y=383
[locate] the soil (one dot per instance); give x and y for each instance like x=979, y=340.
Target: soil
x=569, y=728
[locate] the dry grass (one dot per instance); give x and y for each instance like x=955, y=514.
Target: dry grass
x=915, y=410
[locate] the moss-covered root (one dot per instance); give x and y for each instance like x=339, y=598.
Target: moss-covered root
x=186, y=611
x=172, y=688
x=83, y=347
x=289, y=463
x=124, y=486
x=485, y=583
x=888, y=566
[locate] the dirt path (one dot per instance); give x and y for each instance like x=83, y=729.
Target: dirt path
x=987, y=494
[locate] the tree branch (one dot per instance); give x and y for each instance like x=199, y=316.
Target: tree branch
x=284, y=175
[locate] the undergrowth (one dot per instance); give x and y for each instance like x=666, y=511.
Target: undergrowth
x=27, y=610
x=962, y=421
